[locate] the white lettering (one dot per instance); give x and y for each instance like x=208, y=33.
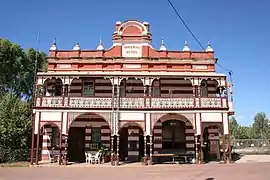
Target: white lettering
x=131, y=50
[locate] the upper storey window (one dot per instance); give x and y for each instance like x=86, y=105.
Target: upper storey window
x=204, y=92
x=88, y=88
x=156, y=89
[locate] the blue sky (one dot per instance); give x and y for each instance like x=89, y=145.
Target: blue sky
x=238, y=31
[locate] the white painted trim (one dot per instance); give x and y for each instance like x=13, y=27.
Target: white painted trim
x=190, y=131
x=105, y=131
x=133, y=138
x=161, y=111
x=190, y=145
x=157, y=131
x=105, y=138
x=71, y=73
x=133, y=153
x=88, y=130
x=189, y=138
x=87, y=137
x=157, y=145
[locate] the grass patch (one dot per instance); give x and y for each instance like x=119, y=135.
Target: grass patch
x=15, y=164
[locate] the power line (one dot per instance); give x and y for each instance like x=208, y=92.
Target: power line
x=193, y=35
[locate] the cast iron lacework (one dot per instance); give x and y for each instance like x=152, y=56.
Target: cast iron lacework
x=90, y=102
x=132, y=102
x=173, y=102
x=210, y=102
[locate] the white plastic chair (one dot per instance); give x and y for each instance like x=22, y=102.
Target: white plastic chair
x=88, y=157
x=96, y=158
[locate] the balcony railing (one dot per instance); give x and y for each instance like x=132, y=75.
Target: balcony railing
x=133, y=103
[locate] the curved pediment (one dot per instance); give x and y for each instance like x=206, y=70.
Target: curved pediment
x=133, y=27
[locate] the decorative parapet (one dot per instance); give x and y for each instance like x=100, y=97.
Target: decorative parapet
x=89, y=102
x=172, y=103
x=52, y=101
x=134, y=103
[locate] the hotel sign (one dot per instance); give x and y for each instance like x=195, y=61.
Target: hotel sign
x=131, y=50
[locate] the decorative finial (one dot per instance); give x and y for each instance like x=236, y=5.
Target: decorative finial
x=77, y=47
x=100, y=41
x=53, y=47
x=186, y=48
x=100, y=46
x=209, y=48
x=162, y=47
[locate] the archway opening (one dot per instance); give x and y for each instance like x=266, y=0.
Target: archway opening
x=131, y=87
x=211, y=142
x=172, y=87
x=131, y=143
x=209, y=88
x=49, y=141
x=91, y=87
x=173, y=133
x=53, y=87
x=87, y=133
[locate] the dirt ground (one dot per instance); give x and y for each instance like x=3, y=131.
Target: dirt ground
x=245, y=171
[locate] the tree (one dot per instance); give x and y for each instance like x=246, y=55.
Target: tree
x=239, y=132
x=15, y=126
x=17, y=72
x=261, y=126
x=11, y=58
x=17, y=68
x=234, y=126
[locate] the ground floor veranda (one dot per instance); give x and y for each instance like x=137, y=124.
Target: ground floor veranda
x=173, y=138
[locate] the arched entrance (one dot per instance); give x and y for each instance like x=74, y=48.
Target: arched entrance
x=89, y=132
x=211, y=141
x=173, y=133
x=131, y=142
x=50, y=140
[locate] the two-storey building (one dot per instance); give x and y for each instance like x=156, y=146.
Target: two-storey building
x=134, y=99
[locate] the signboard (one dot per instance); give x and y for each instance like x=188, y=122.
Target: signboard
x=131, y=50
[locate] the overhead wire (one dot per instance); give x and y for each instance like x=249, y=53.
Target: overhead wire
x=193, y=35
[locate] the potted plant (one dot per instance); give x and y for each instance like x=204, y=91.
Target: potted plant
x=105, y=154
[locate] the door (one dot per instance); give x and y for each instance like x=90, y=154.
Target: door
x=76, y=144
x=123, y=143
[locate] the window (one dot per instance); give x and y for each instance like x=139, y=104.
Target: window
x=156, y=89
x=122, y=91
x=88, y=88
x=57, y=88
x=55, y=136
x=96, y=134
x=204, y=92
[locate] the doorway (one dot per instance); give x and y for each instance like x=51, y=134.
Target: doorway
x=76, y=144
x=173, y=136
x=123, y=144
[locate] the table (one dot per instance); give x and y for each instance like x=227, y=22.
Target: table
x=173, y=156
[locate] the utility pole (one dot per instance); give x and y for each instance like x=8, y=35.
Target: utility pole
x=33, y=101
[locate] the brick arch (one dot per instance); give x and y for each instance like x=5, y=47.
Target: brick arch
x=57, y=124
x=105, y=116
x=132, y=27
x=125, y=124
x=167, y=116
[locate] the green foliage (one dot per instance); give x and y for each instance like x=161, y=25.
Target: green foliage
x=17, y=68
x=17, y=72
x=15, y=125
x=260, y=128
